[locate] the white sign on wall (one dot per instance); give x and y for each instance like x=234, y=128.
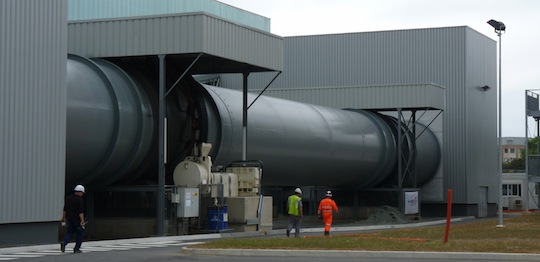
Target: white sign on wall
x=411, y=202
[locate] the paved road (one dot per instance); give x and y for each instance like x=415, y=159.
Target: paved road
x=173, y=251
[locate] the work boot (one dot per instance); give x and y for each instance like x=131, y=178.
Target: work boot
x=62, y=247
x=288, y=233
x=326, y=233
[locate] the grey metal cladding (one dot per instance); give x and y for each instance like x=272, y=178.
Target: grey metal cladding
x=103, y=9
x=176, y=34
x=457, y=58
x=372, y=58
x=32, y=109
x=370, y=97
x=481, y=115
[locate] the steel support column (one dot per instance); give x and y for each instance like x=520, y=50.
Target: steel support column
x=245, y=115
x=160, y=197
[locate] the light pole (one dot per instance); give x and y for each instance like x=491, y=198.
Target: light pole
x=499, y=28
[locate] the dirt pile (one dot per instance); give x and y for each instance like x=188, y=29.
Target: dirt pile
x=385, y=215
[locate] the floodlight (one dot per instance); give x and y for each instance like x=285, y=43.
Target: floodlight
x=499, y=26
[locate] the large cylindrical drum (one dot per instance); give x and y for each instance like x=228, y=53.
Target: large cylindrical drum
x=111, y=133
x=109, y=122
x=303, y=144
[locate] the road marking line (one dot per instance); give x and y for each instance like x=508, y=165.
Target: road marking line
x=47, y=252
x=118, y=247
x=24, y=254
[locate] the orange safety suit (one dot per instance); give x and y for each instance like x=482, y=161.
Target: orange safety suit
x=326, y=206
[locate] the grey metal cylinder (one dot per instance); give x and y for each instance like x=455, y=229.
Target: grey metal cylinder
x=111, y=132
x=428, y=154
x=109, y=122
x=302, y=144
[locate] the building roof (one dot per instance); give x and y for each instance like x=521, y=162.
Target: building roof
x=513, y=141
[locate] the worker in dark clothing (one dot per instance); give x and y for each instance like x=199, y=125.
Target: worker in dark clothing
x=73, y=214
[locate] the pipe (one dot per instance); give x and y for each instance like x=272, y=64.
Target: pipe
x=112, y=132
x=109, y=122
x=303, y=144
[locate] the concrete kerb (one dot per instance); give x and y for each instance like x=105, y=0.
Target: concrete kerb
x=374, y=227
x=361, y=254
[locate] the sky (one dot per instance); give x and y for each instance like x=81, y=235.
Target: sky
x=520, y=54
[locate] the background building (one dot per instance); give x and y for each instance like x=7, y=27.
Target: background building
x=514, y=192
x=512, y=147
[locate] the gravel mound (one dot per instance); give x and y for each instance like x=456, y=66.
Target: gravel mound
x=385, y=215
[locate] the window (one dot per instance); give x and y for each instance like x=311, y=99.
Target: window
x=511, y=190
x=506, y=150
x=512, y=150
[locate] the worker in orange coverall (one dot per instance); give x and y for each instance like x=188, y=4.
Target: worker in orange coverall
x=326, y=208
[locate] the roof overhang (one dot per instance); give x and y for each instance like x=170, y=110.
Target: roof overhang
x=406, y=97
x=427, y=96
x=221, y=45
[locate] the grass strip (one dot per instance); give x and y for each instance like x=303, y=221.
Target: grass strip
x=520, y=234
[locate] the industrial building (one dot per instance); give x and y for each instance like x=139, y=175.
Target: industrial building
x=112, y=97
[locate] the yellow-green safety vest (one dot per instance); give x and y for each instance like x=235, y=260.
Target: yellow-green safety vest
x=294, y=205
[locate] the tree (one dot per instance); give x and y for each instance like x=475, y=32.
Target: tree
x=533, y=147
x=514, y=164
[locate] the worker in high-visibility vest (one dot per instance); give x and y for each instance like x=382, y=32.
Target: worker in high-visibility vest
x=295, y=210
x=326, y=208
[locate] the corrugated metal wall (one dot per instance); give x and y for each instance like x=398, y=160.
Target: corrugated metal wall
x=101, y=9
x=367, y=59
x=373, y=58
x=370, y=97
x=481, y=141
x=33, y=50
x=231, y=41
x=175, y=34
x=130, y=37
x=457, y=58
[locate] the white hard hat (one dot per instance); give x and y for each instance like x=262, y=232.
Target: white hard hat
x=329, y=193
x=298, y=190
x=79, y=188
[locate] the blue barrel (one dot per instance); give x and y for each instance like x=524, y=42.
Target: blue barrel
x=217, y=218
